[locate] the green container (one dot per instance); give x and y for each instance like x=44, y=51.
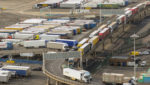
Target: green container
x=108, y=6
x=140, y=80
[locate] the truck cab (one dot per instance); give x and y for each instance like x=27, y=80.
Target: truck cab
x=86, y=76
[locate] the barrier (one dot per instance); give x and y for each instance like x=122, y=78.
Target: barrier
x=22, y=61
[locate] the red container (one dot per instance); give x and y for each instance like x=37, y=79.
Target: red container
x=104, y=33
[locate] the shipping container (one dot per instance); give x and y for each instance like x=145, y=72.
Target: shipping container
x=71, y=4
x=6, y=45
x=113, y=26
x=121, y=19
x=104, y=33
x=85, y=40
x=94, y=40
x=4, y=35
x=58, y=46
x=102, y=27
x=85, y=48
x=34, y=43
x=128, y=13
x=94, y=33
x=62, y=34
x=20, y=70
x=33, y=21
x=14, y=41
x=49, y=37
x=71, y=43
x=89, y=5
x=23, y=36
x=134, y=10
x=18, y=27
x=113, y=78
x=141, y=6
x=8, y=31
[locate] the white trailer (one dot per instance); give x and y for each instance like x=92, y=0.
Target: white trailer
x=34, y=43
x=49, y=37
x=58, y=45
x=23, y=36
x=5, y=76
x=19, y=70
x=14, y=41
x=4, y=35
x=80, y=75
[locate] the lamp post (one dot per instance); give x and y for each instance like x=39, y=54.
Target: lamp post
x=134, y=36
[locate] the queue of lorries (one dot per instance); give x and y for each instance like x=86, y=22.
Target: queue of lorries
x=49, y=33
x=86, y=44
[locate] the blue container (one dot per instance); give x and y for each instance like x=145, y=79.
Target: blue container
x=18, y=72
x=9, y=46
x=124, y=64
x=126, y=2
x=70, y=43
x=146, y=79
x=74, y=32
x=86, y=26
x=92, y=25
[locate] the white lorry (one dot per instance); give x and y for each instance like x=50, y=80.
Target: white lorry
x=58, y=45
x=34, y=43
x=49, y=37
x=80, y=75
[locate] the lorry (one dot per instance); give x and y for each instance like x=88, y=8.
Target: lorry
x=23, y=36
x=82, y=42
x=80, y=75
x=109, y=78
x=71, y=43
x=20, y=70
x=6, y=45
x=34, y=43
x=49, y=37
x=58, y=45
x=85, y=48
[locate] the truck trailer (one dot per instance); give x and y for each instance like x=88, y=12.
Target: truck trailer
x=80, y=75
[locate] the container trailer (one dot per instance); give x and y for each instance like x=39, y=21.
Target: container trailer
x=23, y=36
x=6, y=45
x=85, y=40
x=20, y=70
x=113, y=26
x=110, y=78
x=104, y=33
x=71, y=43
x=94, y=40
x=34, y=43
x=85, y=48
x=58, y=45
x=49, y=37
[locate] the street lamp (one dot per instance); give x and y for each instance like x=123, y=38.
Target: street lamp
x=134, y=36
